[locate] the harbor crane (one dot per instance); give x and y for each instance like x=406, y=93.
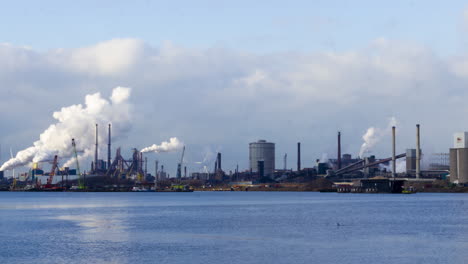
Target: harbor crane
x=179, y=166
x=52, y=172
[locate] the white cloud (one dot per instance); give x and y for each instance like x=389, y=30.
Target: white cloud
x=106, y=58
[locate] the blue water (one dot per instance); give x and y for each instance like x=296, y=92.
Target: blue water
x=233, y=227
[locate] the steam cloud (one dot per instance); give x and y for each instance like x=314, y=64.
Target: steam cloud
x=77, y=121
x=374, y=135
x=400, y=166
x=174, y=144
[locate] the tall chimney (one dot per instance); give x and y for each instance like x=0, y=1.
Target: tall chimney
x=339, y=150
x=185, y=171
x=298, y=156
x=393, y=152
x=156, y=170
x=140, y=158
x=109, y=148
x=146, y=166
x=96, y=150
x=219, y=161
x=418, y=153
x=285, y=161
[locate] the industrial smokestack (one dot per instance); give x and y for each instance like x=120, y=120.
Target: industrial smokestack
x=393, y=152
x=298, y=156
x=185, y=171
x=146, y=166
x=140, y=165
x=156, y=170
x=219, y=161
x=285, y=161
x=418, y=153
x=339, y=150
x=109, y=148
x=96, y=150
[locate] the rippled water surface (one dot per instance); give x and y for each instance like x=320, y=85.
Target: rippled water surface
x=233, y=227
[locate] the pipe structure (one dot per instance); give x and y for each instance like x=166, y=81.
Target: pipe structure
x=349, y=166
x=418, y=153
x=369, y=164
x=339, y=150
x=393, y=152
x=96, y=150
x=298, y=156
x=109, y=147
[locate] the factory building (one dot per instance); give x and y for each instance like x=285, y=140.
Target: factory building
x=459, y=159
x=410, y=161
x=262, y=153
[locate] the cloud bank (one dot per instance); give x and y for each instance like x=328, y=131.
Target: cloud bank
x=220, y=96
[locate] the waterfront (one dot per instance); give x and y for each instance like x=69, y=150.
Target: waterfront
x=233, y=227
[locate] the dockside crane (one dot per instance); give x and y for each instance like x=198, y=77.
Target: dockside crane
x=179, y=166
x=52, y=172
x=80, y=181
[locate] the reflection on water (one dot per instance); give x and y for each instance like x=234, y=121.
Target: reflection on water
x=94, y=222
x=214, y=227
x=97, y=227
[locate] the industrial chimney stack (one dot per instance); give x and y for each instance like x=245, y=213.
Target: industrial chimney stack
x=339, y=150
x=219, y=161
x=109, y=148
x=393, y=152
x=298, y=156
x=418, y=153
x=96, y=150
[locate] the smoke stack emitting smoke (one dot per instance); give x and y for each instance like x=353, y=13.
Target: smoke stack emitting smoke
x=77, y=121
x=173, y=145
x=374, y=135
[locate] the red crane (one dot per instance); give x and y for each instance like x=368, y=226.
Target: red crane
x=52, y=171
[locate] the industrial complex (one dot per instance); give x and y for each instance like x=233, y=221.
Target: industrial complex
x=344, y=173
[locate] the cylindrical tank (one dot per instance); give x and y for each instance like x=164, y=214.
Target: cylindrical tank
x=262, y=151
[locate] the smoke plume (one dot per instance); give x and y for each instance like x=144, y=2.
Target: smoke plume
x=373, y=135
x=78, y=121
x=400, y=166
x=173, y=145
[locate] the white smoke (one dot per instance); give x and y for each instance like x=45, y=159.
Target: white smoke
x=324, y=158
x=400, y=166
x=208, y=155
x=373, y=135
x=78, y=121
x=173, y=145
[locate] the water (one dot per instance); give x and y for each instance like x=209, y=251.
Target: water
x=233, y=227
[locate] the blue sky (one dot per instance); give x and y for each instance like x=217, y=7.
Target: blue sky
x=259, y=26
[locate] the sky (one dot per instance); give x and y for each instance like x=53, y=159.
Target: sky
x=220, y=74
